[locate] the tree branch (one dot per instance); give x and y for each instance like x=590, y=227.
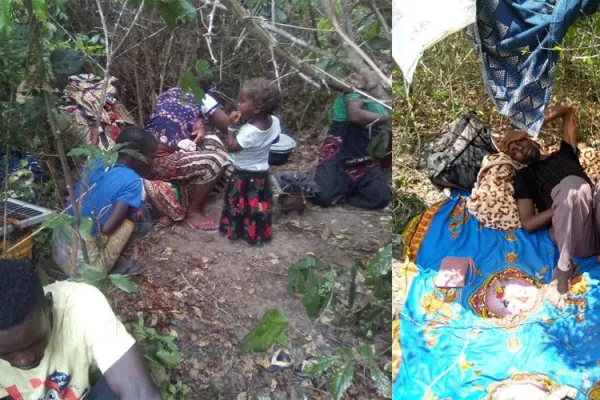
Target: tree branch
x=262, y=35
x=300, y=42
x=137, y=15
x=167, y=60
x=119, y=19
x=384, y=25
x=208, y=35
x=382, y=102
x=141, y=41
x=387, y=82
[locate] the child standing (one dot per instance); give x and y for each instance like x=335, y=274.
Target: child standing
x=247, y=208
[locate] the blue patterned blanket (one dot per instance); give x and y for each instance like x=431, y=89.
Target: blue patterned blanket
x=498, y=338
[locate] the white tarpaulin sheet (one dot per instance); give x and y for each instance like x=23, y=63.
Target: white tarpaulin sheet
x=417, y=25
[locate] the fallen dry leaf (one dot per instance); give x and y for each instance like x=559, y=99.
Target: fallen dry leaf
x=197, y=311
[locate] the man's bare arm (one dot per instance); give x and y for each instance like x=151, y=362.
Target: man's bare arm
x=530, y=220
x=129, y=378
x=568, y=111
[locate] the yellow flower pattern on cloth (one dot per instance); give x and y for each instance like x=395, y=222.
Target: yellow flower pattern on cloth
x=433, y=305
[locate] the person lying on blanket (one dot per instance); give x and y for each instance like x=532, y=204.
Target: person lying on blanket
x=185, y=155
x=112, y=195
x=554, y=191
x=53, y=338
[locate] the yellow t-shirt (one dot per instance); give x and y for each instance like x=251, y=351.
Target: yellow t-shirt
x=86, y=334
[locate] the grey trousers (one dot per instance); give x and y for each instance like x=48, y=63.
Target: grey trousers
x=576, y=220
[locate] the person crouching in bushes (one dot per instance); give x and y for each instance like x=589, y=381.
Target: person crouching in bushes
x=110, y=195
x=248, y=197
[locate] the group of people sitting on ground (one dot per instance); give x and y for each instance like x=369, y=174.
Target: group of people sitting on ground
x=175, y=148
x=54, y=339
x=553, y=191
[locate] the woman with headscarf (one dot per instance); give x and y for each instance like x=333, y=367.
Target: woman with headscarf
x=186, y=157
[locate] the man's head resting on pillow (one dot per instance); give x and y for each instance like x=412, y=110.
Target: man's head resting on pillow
x=25, y=315
x=517, y=144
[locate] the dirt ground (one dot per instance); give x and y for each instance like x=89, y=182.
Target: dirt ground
x=211, y=292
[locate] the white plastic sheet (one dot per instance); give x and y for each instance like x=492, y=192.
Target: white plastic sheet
x=417, y=25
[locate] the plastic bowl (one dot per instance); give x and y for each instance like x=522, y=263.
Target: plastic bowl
x=276, y=158
x=282, y=150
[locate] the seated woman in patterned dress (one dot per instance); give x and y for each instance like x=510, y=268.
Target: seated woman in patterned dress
x=186, y=156
x=346, y=170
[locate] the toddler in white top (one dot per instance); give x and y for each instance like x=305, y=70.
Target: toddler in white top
x=248, y=198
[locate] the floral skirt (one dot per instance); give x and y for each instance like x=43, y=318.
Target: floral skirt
x=247, y=208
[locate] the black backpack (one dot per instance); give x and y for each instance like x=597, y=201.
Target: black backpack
x=453, y=157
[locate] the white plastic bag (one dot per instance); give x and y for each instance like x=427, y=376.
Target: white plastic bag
x=417, y=25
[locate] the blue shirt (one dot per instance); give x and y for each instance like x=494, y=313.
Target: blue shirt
x=115, y=184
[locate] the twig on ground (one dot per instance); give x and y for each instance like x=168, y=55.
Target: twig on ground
x=206, y=299
x=138, y=92
x=255, y=265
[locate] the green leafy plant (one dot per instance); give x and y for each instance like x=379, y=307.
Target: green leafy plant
x=378, y=146
x=108, y=158
x=271, y=330
x=159, y=349
x=188, y=81
x=163, y=355
x=343, y=364
x=313, y=279
x=96, y=276
x=174, y=391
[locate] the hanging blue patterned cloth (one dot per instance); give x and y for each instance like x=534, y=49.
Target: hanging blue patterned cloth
x=516, y=39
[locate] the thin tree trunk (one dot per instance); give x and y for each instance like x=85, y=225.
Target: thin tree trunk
x=65, y=166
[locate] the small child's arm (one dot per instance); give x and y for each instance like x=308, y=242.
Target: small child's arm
x=232, y=144
x=118, y=214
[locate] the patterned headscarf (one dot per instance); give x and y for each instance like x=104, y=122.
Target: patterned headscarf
x=510, y=137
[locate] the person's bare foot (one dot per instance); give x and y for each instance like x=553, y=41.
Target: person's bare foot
x=125, y=266
x=556, y=293
x=201, y=221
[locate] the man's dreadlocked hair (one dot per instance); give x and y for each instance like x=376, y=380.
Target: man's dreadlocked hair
x=21, y=292
x=263, y=94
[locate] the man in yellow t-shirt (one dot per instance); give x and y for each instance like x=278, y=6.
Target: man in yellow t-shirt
x=51, y=338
